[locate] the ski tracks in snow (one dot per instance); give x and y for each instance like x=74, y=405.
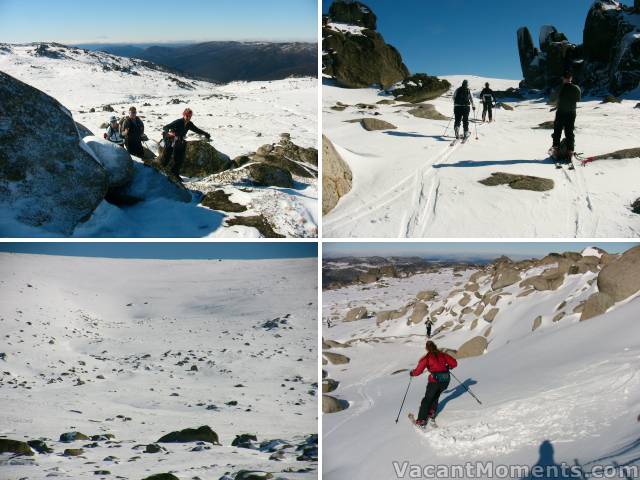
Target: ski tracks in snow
x=585, y=218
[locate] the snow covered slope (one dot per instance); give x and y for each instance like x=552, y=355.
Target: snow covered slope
x=553, y=390
x=140, y=348
x=240, y=116
x=409, y=182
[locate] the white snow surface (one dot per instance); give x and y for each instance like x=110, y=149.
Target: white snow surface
x=240, y=116
x=409, y=182
x=141, y=325
x=573, y=384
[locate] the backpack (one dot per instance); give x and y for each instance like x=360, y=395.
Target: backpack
x=462, y=96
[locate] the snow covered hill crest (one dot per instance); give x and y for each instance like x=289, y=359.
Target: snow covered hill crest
x=241, y=187
x=550, y=346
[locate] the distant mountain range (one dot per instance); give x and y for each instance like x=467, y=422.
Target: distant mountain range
x=227, y=61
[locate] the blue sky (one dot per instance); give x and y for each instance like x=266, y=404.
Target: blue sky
x=166, y=251
x=463, y=249
x=144, y=21
x=466, y=37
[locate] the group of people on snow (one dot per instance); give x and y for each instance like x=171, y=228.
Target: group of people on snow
x=569, y=95
x=129, y=133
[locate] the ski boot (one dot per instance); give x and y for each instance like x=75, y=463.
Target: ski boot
x=456, y=131
x=553, y=151
x=421, y=423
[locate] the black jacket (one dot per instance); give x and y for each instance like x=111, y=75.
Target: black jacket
x=487, y=91
x=181, y=129
x=568, y=97
x=135, y=127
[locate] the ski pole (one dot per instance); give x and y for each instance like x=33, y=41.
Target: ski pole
x=465, y=387
x=405, y=397
x=445, y=130
x=475, y=122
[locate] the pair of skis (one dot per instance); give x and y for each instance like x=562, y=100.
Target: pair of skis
x=431, y=422
x=462, y=140
x=559, y=163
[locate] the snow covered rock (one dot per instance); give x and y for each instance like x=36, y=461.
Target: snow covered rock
x=252, y=475
x=336, y=176
x=147, y=183
x=472, y=348
x=504, y=277
x=336, y=358
x=621, y=278
x=265, y=174
x=358, y=60
x=47, y=180
x=428, y=112
x=427, y=295
x=115, y=160
x=329, y=385
x=332, y=405
x=353, y=13
x=420, y=87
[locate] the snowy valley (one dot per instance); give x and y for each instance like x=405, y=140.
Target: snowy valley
x=102, y=359
x=550, y=347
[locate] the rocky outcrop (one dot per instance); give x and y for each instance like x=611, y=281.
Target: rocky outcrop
x=608, y=58
x=621, y=278
x=329, y=385
x=336, y=358
x=266, y=175
x=504, y=277
x=14, y=446
x=472, y=348
x=336, y=176
x=420, y=310
x=427, y=295
x=361, y=59
x=597, y=304
x=421, y=87
x=202, y=159
x=388, y=315
x=427, y=111
x=371, y=124
x=47, y=179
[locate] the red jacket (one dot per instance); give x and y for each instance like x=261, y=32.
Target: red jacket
x=435, y=363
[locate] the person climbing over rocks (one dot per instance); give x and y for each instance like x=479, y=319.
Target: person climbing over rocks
x=175, y=144
x=438, y=364
x=132, y=130
x=462, y=105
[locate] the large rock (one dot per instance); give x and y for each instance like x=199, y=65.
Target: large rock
x=427, y=111
x=252, y=475
x=47, y=179
x=504, y=277
x=200, y=434
x=354, y=314
x=597, y=304
x=370, y=124
x=421, y=87
x=352, y=13
x=472, y=348
x=201, y=160
x=115, y=160
x=362, y=59
x=531, y=62
x=518, y=182
x=332, y=405
x=286, y=148
x=264, y=174
x=329, y=385
x=420, y=310
x=600, y=31
x=388, y=315
x=551, y=280
x=336, y=176
x=162, y=476
x=427, y=295
x=336, y=358
x=14, y=446
x=621, y=278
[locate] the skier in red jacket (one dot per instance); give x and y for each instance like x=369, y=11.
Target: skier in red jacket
x=438, y=364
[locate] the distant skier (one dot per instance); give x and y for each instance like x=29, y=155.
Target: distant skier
x=438, y=364
x=488, y=102
x=175, y=144
x=429, y=324
x=462, y=100
x=113, y=132
x=133, y=132
x=568, y=97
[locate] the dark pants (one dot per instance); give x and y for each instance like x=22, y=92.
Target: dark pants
x=173, y=156
x=461, y=112
x=428, y=329
x=487, y=107
x=134, y=147
x=564, y=121
x=429, y=404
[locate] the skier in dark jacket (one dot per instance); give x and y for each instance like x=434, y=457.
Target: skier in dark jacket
x=429, y=324
x=174, y=141
x=133, y=132
x=462, y=99
x=438, y=364
x=568, y=97
x=488, y=102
